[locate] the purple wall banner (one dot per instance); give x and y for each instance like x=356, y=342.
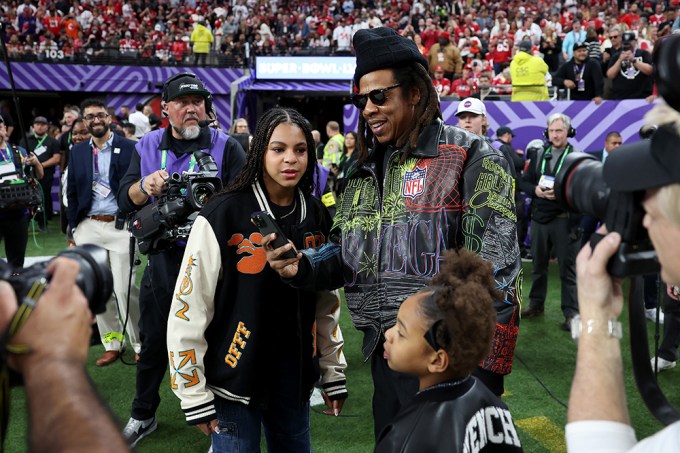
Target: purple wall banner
x=109, y=79
x=528, y=119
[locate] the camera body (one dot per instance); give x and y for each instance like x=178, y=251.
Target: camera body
x=95, y=278
x=580, y=187
x=170, y=217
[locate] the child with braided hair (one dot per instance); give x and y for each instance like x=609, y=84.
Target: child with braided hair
x=441, y=335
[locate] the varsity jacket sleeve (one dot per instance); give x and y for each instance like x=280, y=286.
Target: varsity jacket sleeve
x=329, y=344
x=191, y=312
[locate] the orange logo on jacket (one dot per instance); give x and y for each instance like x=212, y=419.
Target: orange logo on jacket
x=255, y=259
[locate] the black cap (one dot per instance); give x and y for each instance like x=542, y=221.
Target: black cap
x=646, y=164
x=40, y=119
x=580, y=45
x=526, y=46
x=381, y=48
x=184, y=86
x=504, y=130
x=667, y=70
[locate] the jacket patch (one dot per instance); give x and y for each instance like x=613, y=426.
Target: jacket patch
x=187, y=357
x=185, y=289
x=255, y=259
x=238, y=344
x=414, y=182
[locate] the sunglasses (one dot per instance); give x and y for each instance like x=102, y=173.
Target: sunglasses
x=377, y=97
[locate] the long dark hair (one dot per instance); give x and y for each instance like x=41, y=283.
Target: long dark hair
x=253, y=169
x=356, y=142
x=413, y=75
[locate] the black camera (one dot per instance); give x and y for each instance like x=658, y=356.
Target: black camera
x=580, y=187
x=627, y=40
x=170, y=217
x=95, y=278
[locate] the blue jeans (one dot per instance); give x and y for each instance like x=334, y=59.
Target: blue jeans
x=286, y=427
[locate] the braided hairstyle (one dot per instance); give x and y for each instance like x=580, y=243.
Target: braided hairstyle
x=253, y=170
x=462, y=295
x=412, y=75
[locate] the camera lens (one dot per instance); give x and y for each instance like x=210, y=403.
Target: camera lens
x=580, y=185
x=95, y=278
x=201, y=193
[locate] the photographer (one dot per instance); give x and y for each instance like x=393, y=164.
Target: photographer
x=630, y=70
x=15, y=167
x=598, y=416
x=186, y=102
x=65, y=412
x=551, y=225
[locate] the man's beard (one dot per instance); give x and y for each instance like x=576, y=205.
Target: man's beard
x=99, y=133
x=187, y=133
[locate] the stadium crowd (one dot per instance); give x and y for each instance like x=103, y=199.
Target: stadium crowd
x=482, y=35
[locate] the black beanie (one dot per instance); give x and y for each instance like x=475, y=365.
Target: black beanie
x=381, y=48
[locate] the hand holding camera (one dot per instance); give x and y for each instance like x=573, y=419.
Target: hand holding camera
x=155, y=183
x=60, y=326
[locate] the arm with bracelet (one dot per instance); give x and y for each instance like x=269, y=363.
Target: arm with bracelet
x=597, y=403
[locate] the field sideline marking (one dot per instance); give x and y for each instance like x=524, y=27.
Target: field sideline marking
x=543, y=430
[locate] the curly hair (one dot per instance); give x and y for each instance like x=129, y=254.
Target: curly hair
x=413, y=75
x=253, y=170
x=463, y=293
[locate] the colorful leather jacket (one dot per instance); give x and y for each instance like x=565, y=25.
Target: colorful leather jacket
x=454, y=190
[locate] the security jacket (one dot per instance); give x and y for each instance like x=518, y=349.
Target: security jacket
x=387, y=242
x=233, y=323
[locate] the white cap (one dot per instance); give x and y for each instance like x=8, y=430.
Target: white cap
x=472, y=105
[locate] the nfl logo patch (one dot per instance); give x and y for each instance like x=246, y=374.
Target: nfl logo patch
x=414, y=182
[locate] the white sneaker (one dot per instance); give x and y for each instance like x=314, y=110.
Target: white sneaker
x=650, y=313
x=136, y=430
x=663, y=364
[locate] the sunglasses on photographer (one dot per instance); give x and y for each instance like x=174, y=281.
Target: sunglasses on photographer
x=377, y=97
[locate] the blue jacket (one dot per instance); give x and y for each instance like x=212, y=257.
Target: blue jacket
x=81, y=174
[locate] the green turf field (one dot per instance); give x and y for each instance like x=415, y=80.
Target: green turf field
x=537, y=391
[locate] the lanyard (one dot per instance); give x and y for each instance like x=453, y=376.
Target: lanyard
x=7, y=157
x=559, y=165
x=578, y=73
x=95, y=152
x=164, y=158
x=40, y=142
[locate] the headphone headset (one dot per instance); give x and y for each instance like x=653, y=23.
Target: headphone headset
x=571, y=133
x=191, y=75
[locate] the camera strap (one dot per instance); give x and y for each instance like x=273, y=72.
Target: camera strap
x=164, y=161
x=19, y=319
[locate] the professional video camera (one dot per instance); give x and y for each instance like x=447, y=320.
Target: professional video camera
x=95, y=278
x=170, y=217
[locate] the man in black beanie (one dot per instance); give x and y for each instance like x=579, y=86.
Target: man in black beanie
x=419, y=187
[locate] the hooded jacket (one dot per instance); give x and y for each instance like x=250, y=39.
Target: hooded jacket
x=528, y=78
x=453, y=191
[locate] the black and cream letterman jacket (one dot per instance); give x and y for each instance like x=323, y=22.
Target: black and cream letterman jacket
x=233, y=322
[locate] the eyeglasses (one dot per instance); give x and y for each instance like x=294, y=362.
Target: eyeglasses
x=377, y=97
x=99, y=116
x=613, y=36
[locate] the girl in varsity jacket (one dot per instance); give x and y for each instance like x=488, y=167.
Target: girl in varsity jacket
x=240, y=340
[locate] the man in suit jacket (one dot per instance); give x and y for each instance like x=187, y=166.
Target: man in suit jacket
x=94, y=173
